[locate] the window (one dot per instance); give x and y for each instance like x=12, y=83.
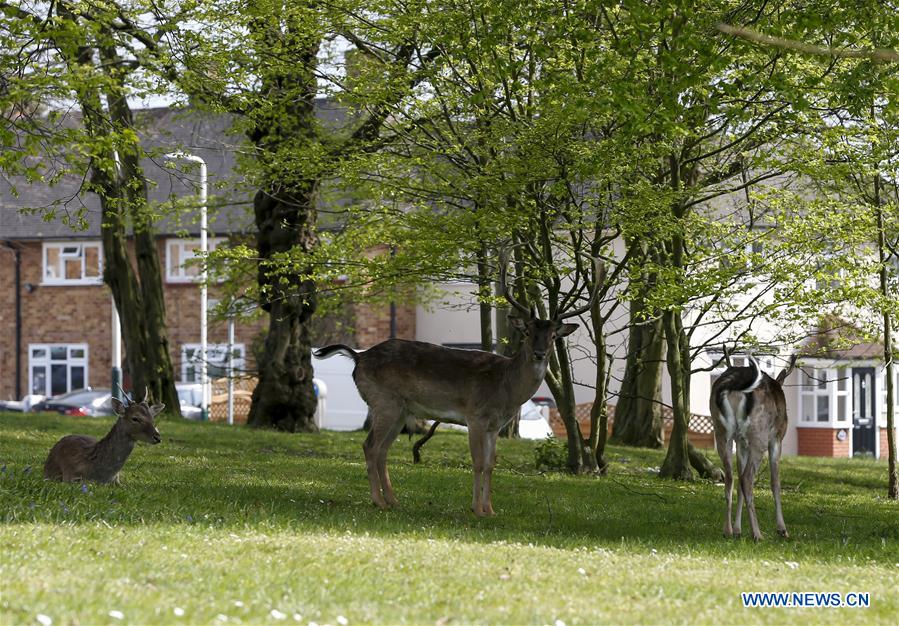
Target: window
x=216, y=361
x=824, y=396
x=56, y=368
x=179, y=255
x=67, y=263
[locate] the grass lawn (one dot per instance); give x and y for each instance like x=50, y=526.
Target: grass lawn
x=222, y=525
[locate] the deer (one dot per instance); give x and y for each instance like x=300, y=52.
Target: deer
x=749, y=407
x=400, y=379
x=76, y=458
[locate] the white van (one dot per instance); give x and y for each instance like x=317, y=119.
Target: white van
x=340, y=407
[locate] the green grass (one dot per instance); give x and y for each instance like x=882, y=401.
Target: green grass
x=226, y=525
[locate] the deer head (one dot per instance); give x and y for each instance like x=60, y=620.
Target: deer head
x=539, y=334
x=137, y=418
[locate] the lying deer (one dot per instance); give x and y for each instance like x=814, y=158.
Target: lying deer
x=400, y=379
x=80, y=457
x=748, y=407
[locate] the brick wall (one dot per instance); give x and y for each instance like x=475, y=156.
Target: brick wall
x=823, y=442
x=373, y=323
x=83, y=314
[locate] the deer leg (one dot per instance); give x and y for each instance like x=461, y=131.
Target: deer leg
x=747, y=479
x=476, y=442
x=774, y=460
x=742, y=461
x=383, y=474
x=371, y=466
x=386, y=424
x=486, y=480
x=725, y=452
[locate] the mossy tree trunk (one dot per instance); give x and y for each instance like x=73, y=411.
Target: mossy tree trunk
x=119, y=181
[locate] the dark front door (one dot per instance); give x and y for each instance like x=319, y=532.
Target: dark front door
x=863, y=395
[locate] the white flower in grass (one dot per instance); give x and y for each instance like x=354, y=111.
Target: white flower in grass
x=221, y=618
x=342, y=620
x=276, y=614
x=297, y=617
x=178, y=611
x=581, y=571
x=559, y=622
x=116, y=614
x=46, y=620
x=238, y=604
x=791, y=564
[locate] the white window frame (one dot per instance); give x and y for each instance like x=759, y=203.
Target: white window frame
x=187, y=363
x=179, y=274
x=66, y=252
x=834, y=379
x=46, y=361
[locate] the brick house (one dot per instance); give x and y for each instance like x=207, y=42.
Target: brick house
x=56, y=314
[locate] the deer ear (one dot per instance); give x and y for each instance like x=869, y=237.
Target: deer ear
x=117, y=406
x=517, y=323
x=156, y=409
x=565, y=329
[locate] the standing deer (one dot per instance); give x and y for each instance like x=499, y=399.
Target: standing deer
x=81, y=457
x=748, y=407
x=400, y=379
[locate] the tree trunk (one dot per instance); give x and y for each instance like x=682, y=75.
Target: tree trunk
x=151, y=368
x=599, y=414
x=581, y=458
x=284, y=397
x=120, y=183
x=677, y=462
x=638, y=414
x=892, y=476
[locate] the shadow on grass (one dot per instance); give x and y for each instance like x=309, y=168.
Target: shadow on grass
x=235, y=478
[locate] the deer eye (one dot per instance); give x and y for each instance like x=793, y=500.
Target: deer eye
x=136, y=420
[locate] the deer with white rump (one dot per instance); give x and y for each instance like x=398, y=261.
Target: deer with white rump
x=748, y=407
x=81, y=457
x=401, y=379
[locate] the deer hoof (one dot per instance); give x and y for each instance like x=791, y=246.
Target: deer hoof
x=783, y=533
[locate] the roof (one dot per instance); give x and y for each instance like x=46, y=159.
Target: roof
x=835, y=338
x=162, y=130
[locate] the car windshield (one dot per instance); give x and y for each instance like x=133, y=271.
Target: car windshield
x=80, y=397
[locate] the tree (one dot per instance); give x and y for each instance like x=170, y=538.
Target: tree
x=70, y=51
x=265, y=63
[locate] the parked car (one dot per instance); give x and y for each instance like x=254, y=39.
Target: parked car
x=88, y=402
x=23, y=405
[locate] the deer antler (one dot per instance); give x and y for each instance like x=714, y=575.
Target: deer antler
x=124, y=394
x=146, y=395
x=600, y=269
x=507, y=293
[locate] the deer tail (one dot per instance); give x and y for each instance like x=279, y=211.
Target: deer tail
x=337, y=348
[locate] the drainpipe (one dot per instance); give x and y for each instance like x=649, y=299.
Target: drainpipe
x=17, y=252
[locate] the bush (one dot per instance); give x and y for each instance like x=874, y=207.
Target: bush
x=551, y=455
